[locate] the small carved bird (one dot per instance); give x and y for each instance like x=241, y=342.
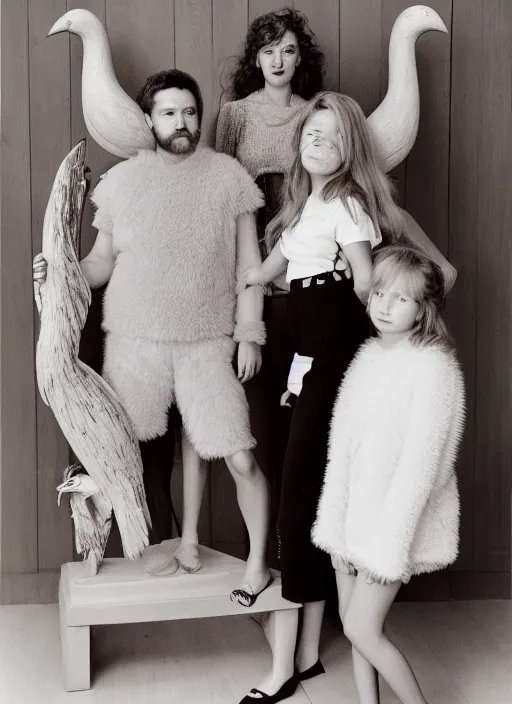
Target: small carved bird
x=91, y=512
x=113, y=119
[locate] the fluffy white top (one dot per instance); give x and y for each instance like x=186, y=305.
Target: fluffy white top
x=174, y=236
x=389, y=503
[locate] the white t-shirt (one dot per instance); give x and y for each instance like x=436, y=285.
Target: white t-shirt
x=311, y=244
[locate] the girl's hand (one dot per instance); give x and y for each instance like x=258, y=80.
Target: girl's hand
x=249, y=360
x=250, y=277
x=343, y=265
x=253, y=276
x=284, y=399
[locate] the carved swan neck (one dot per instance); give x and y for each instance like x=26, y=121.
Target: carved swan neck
x=402, y=61
x=97, y=53
x=394, y=124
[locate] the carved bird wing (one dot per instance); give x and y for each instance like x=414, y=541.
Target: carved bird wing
x=116, y=466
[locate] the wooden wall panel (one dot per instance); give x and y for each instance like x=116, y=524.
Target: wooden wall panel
x=361, y=52
x=465, y=166
x=324, y=20
x=194, y=54
x=230, y=23
x=493, y=400
x=142, y=39
x=49, y=105
x=261, y=7
x=18, y=393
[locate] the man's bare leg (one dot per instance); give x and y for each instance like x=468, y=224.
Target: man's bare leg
x=157, y=560
x=253, y=500
x=195, y=471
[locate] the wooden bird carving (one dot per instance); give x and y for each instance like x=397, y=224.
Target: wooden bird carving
x=393, y=125
x=87, y=410
x=113, y=119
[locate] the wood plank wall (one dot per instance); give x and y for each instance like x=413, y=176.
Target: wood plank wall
x=456, y=182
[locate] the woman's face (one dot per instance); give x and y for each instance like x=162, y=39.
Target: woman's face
x=321, y=144
x=279, y=61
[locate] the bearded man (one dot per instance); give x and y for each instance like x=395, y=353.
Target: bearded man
x=176, y=226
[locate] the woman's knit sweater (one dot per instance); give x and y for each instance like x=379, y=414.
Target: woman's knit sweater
x=173, y=228
x=259, y=133
x=390, y=504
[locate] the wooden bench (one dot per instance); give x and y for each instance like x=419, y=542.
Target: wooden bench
x=122, y=593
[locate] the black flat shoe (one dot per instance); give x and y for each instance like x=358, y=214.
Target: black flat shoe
x=286, y=691
x=313, y=671
x=247, y=598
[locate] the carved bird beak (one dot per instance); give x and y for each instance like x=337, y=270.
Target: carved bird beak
x=65, y=488
x=79, y=484
x=60, y=26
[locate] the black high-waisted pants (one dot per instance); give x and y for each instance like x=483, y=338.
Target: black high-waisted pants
x=329, y=323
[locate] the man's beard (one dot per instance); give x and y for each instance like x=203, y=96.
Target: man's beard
x=179, y=142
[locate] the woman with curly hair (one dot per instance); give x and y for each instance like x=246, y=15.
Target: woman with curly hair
x=280, y=68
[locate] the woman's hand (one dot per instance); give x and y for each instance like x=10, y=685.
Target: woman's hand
x=249, y=360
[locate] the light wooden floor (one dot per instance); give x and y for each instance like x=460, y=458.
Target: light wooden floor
x=460, y=651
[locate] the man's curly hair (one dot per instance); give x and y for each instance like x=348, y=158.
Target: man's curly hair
x=270, y=29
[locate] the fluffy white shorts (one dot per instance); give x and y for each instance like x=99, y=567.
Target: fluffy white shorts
x=199, y=377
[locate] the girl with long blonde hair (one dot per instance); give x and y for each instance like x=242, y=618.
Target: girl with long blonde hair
x=337, y=204
x=389, y=506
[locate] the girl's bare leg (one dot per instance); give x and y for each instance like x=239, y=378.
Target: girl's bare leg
x=364, y=626
x=365, y=675
x=307, y=652
x=286, y=623
x=253, y=500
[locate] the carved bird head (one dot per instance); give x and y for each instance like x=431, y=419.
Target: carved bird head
x=80, y=484
x=81, y=22
x=418, y=19
x=61, y=230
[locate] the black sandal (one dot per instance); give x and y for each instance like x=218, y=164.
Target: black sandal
x=248, y=596
x=287, y=690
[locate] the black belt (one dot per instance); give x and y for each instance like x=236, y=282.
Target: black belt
x=318, y=279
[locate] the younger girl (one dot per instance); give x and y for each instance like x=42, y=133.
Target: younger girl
x=389, y=506
x=335, y=199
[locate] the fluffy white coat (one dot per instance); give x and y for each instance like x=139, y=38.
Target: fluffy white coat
x=390, y=503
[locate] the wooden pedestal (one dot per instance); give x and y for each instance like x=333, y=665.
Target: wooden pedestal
x=122, y=593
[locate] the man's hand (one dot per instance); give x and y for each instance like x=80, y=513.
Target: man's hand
x=249, y=360
x=39, y=269
x=39, y=273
